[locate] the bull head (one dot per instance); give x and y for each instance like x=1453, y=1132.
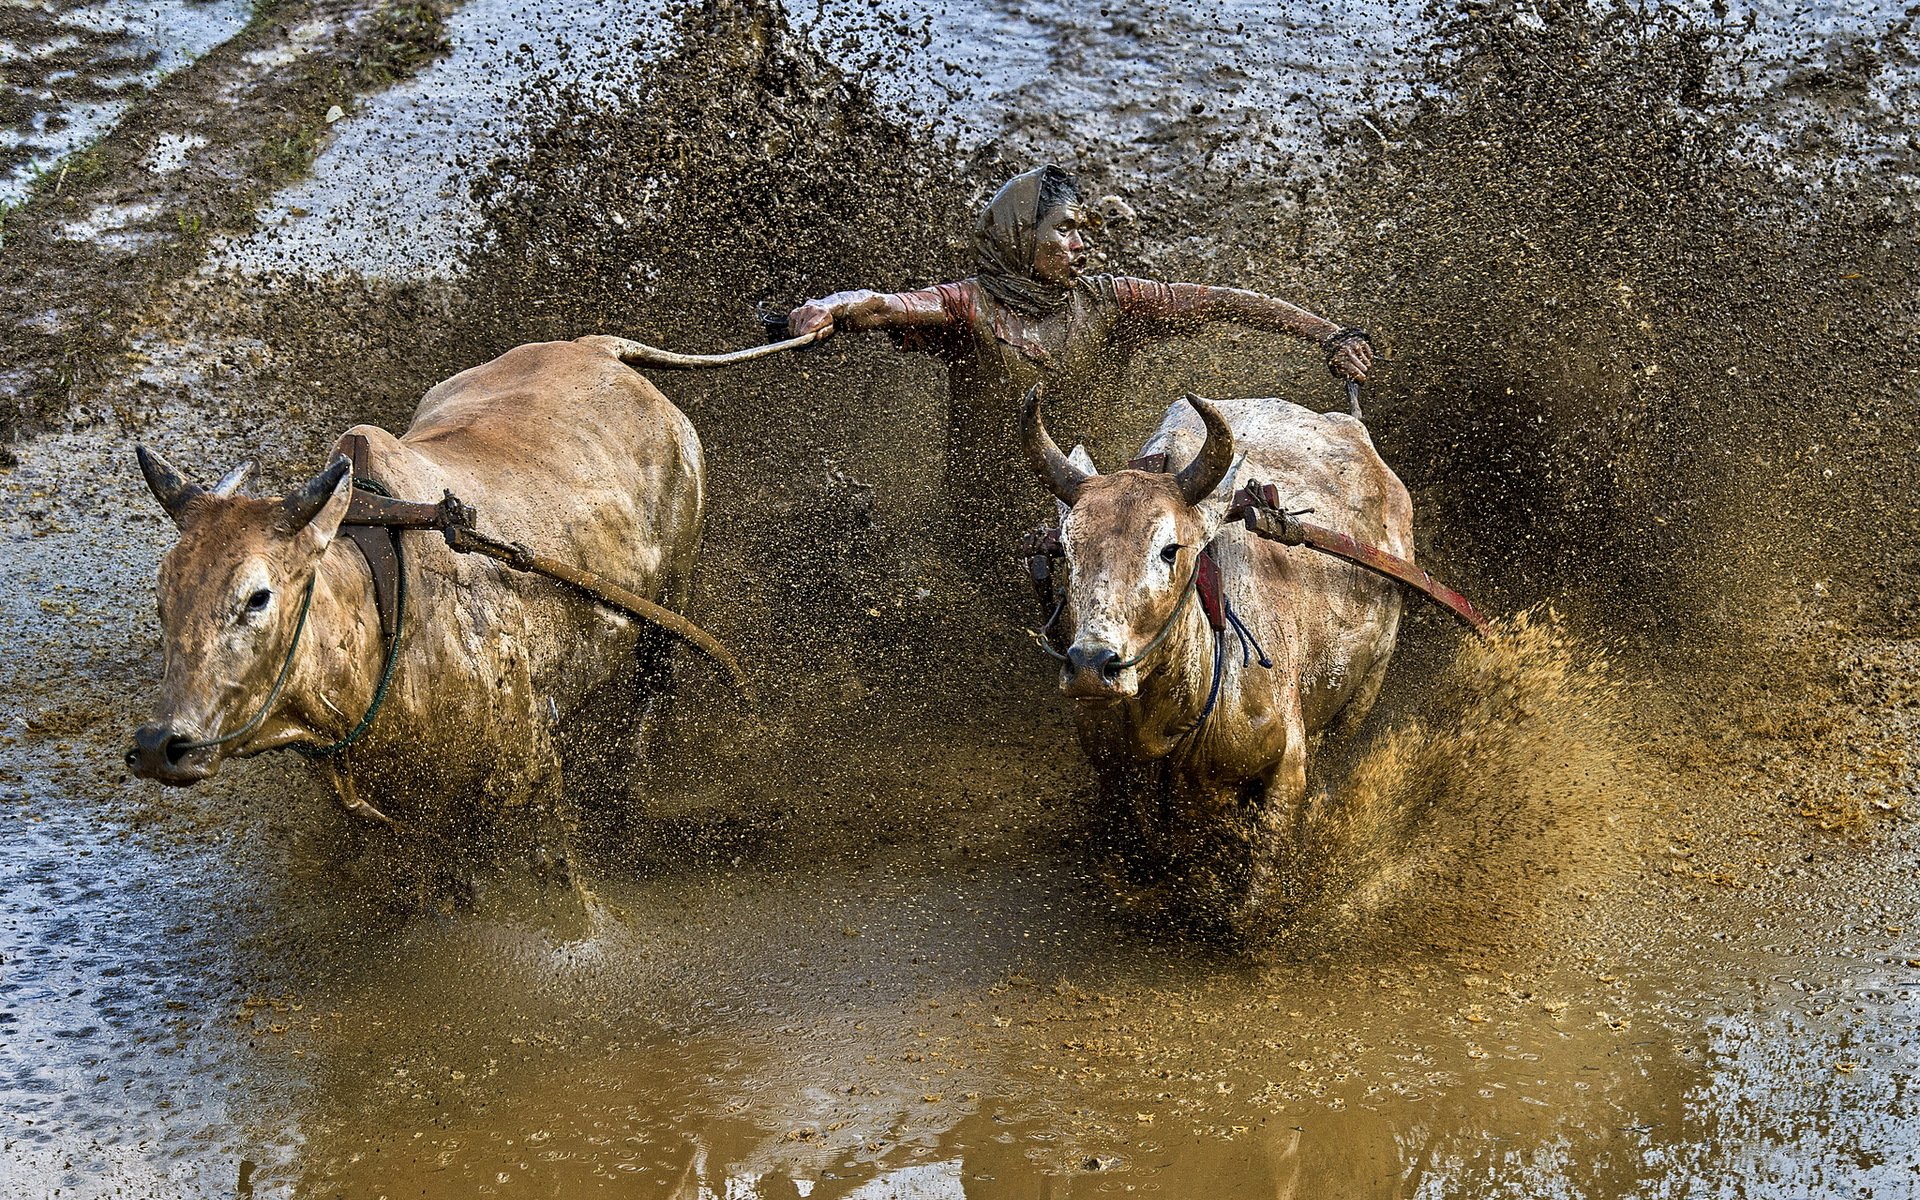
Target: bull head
x=1131, y=541
x=1064, y=478
x=230, y=591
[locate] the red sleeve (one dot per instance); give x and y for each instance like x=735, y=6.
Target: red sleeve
x=1150, y=303
x=952, y=336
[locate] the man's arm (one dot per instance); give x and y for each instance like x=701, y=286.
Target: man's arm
x=1185, y=307
x=923, y=309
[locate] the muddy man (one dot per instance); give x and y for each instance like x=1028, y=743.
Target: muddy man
x=1029, y=314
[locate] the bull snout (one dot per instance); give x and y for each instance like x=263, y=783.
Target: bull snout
x=1094, y=673
x=160, y=752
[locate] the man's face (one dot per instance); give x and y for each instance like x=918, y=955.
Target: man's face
x=1060, y=252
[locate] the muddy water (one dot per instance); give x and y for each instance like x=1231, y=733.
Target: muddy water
x=209, y=993
x=1603, y=931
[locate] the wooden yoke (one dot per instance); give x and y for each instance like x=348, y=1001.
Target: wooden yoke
x=1258, y=505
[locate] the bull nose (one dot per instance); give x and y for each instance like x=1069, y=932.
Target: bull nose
x=156, y=752
x=1098, y=660
x=1094, y=672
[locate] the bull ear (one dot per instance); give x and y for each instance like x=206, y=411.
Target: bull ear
x=299, y=510
x=232, y=480
x=1059, y=474
x=1198, y=478
x=173, y=490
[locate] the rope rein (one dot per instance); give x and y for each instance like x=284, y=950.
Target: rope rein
x=1042, y=637
x=286, y=669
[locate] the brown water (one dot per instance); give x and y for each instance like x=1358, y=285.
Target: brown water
x=1617, y=907
x=1682, y=992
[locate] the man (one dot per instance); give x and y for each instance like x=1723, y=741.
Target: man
x=1029, y=315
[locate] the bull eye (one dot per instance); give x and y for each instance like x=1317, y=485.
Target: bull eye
x=1171, y=554
x=258, y=601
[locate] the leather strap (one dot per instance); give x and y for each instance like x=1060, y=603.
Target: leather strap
x=1207, y=583
x=379, y=543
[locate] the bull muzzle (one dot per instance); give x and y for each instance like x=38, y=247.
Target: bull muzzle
x=1095, y=673
x=160, y=753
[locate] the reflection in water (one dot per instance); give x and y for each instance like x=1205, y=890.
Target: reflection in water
x=532, y=1067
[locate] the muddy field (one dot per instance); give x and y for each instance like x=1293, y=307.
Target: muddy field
x=1620, y=904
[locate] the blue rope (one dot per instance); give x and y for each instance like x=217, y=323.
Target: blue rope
x=1246, y=636
x=1213, y=693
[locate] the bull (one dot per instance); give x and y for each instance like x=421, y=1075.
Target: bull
x=1200, y=751
x=271, y=636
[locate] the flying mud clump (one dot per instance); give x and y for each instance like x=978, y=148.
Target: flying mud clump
x=1649, y=359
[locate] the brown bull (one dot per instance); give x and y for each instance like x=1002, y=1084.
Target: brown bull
x=557, y=444
x=1203, y=799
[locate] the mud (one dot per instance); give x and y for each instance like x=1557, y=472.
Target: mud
x=1618, y=904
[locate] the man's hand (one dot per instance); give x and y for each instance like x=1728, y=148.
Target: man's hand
x=811, y=316
x=1349, y=354
x=1352, y=361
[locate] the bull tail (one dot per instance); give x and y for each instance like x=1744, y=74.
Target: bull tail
x=639, y=354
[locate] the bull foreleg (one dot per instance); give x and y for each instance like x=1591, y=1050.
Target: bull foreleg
x=653, y=655
x=1274, y=882
x=344, y=791
x=1239, y=881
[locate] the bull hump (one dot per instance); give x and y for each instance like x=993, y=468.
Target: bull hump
x=1270, y=431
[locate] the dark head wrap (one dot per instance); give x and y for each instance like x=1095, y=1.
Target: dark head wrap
x=1007, y=232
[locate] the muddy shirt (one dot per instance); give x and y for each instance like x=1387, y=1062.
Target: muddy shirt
x=994, y=354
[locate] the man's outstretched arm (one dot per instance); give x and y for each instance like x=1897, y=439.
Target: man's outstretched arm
x=1186, y=307
x=870, y=310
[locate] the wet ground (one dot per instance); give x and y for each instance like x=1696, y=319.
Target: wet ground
x=1667, y=944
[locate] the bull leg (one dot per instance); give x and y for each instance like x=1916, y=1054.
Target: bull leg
x=349, y=797
x=1240, y=880
x=1274, y=870
x=1129, y=834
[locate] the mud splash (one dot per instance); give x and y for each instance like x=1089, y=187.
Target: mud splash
x=1630, y=927
x=1473, y=821
x=1645, y=359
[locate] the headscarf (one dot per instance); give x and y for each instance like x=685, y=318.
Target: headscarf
x=1007, y=233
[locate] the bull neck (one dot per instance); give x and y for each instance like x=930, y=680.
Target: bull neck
x=338, y=668
x=1183, y=665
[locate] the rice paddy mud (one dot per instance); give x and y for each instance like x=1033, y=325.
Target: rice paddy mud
x=1622, y=903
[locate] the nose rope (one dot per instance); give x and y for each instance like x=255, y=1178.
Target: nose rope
x=1043, y=636
x=1193, y=583
x=286, y=668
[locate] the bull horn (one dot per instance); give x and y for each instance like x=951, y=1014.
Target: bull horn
x=300, y=508
x=1198, y=478
x=173, y=490
x=231, y=481
x=1059, y=475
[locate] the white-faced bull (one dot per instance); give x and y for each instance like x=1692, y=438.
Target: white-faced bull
x=1206, y=663
x=273, y=639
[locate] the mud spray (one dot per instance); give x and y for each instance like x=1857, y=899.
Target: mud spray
x=1627, y=371
x=1649, y=332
